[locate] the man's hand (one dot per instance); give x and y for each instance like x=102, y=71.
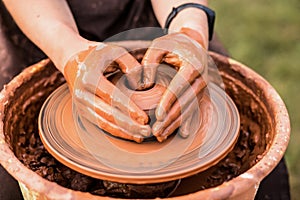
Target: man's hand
x=182, y=96
x=98, y=99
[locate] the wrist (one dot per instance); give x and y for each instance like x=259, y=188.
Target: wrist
x=194, y=16
x=71, y=48
x=192, y=22
x=198, y=36
x=70, y=69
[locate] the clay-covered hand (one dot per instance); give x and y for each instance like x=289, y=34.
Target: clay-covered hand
x=181, y=99
x=98, y=99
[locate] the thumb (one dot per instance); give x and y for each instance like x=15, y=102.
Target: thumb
x=72, y=66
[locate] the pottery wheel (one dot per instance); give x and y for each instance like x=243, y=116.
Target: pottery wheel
x=85, y=148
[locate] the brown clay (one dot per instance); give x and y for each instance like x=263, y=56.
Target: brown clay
x=145, y=99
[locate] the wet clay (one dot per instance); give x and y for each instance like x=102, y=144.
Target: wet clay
x=145, y=99
x=21, y=133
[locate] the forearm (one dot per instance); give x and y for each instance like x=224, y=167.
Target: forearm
x=190, y=17
x=50, y=25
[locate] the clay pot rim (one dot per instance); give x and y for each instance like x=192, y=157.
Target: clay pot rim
x=233, y=187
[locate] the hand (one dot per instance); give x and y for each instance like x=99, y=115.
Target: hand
x=98, y=99
x=177, y=105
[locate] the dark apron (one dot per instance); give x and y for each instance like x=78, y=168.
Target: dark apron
x=98, y=20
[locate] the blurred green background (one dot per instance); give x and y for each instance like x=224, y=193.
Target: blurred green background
x=265, y=35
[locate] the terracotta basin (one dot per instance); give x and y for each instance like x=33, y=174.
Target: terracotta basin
x=264, y=123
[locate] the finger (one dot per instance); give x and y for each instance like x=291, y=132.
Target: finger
x=114, y=97
x=111, y=114
x=111, y=68
x=192, y=124
x=185, y=128
x=132, y=68
x=180, y=105
x=182, y=118
x=185, y=76
x=105, y=56
x=151, y=60
x=194, y=127
x=173, y=59
x=109, y=127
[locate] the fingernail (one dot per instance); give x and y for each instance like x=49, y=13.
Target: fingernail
x=160, y=113
x=138, y=138
x=184, y=133
x=161, y=139
x=146, y=131
x=156, y=128
x=142, y=120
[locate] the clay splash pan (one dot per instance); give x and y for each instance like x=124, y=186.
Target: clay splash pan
x=85, y=148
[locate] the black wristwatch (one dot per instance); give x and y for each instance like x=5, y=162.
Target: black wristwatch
x=209, y=13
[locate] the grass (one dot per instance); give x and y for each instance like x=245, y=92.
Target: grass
x=265, y=35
